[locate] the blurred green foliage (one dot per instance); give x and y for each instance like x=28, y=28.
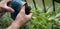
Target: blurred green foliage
x=40, y=19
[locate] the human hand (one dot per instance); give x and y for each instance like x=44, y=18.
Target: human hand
x=22, y=17
x=4, y=7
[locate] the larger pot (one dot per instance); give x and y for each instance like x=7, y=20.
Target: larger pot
x=57, y=1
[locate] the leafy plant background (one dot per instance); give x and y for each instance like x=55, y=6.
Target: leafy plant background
x=40, y=19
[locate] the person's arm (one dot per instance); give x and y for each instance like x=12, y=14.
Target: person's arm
x=21, y=19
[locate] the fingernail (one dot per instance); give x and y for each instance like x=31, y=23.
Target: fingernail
x=13, y=11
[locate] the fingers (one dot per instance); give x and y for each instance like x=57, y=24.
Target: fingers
x=7, y=0
x=7, y=9
x=4, y=7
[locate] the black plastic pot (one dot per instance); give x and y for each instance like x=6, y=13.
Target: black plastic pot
x=16, y=5
x=57, y=1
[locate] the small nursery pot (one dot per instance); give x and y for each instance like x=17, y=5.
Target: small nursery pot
x=16, y=5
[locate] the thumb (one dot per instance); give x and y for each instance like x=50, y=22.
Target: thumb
x=29, y=16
